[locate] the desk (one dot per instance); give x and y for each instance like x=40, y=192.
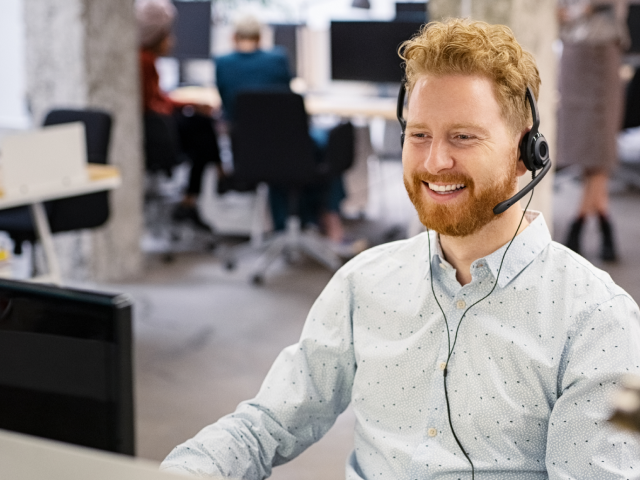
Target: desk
x=197, y=95
x=351, y=106
x=316, y=104
x=23, y=457
x=100, y=178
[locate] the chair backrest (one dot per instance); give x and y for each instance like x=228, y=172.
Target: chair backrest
x=97, y=129
x=66, y=365
x=270, y=139
x=340, y=151
x=85, y=211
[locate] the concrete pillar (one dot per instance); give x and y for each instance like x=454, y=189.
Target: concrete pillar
x=535, y=26
x=83, y=53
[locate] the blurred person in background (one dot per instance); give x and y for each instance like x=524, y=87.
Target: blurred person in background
x=251, y=68
x=189, y=127
x=593, y=34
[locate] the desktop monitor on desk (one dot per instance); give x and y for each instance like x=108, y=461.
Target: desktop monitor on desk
x=65, y=365
x=633, y=22
x=412, y=12
x=192, y=29
x=285, y=36
x=368, y=51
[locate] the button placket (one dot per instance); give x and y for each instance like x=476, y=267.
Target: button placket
x=436, y=412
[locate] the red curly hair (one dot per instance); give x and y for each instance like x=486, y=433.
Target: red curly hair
x=464, y=47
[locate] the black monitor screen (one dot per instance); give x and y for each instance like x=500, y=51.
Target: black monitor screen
x=633, y=21
x=411, y=12
x=192, y=29
x=368, y=51
x=285, y=37
x=66, y=370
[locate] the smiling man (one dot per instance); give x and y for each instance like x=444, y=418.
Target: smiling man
x=480, y=347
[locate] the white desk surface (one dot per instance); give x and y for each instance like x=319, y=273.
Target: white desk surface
x=24, y=457
x=316, y=104
x=101, y=177
x=351, y=106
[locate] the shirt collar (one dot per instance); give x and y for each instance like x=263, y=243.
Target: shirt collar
x=525, y=248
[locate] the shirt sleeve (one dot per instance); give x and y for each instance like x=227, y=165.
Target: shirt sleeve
x=581, y=444
x=306, y=389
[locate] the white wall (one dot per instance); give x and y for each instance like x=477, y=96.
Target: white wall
x=13, y=105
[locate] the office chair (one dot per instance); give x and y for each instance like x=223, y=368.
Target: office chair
x=75, y=213
x=163, y=153
x=271, y=145
x=66, y=360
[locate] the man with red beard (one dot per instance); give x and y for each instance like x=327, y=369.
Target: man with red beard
x=480, y=346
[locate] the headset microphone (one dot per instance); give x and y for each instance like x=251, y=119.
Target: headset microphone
x=534, y=149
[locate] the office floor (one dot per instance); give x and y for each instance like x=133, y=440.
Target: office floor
x=205, y=337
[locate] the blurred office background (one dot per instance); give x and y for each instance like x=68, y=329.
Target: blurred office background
x=204, y=335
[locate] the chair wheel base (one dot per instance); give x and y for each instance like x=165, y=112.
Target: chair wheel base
x=257, y=280
x=229, y=265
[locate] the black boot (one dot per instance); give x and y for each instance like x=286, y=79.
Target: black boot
x=608, y=251
x=183, y=213
x=573, y=239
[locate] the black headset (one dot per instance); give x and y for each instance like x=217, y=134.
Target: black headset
x=534, y=149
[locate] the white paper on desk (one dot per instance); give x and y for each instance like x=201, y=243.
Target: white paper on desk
x=39, y=161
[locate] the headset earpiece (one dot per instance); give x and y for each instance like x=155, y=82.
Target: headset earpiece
x=534, y=149
x=399, y=112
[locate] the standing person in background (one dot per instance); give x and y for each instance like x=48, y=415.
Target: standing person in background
x=590, y=114
x=190, y=127
x=251, y=68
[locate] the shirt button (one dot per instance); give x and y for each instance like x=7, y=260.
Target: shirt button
x=432, y=432
x=480, y=265
x=442, y=365
x=460, y=304
x=443, y=266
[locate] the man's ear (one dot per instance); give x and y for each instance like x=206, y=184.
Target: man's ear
x=521, y=169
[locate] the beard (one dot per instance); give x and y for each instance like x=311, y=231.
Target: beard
x=464, y=216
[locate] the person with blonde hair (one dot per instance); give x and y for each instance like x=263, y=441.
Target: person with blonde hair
x=480, y=347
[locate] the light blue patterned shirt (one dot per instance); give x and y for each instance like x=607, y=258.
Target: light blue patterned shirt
x=529, y=380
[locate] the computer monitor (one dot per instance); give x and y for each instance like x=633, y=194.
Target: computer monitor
x=368, y=51
x=65, y=365
x=412, y=12
x=285, y=37
x=633, y=22
x=192, y=29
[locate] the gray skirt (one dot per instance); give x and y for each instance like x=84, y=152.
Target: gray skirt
x=590, y=110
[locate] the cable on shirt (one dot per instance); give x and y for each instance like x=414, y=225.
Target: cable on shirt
x=450, y=347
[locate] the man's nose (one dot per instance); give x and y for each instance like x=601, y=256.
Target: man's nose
x=438, y=157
